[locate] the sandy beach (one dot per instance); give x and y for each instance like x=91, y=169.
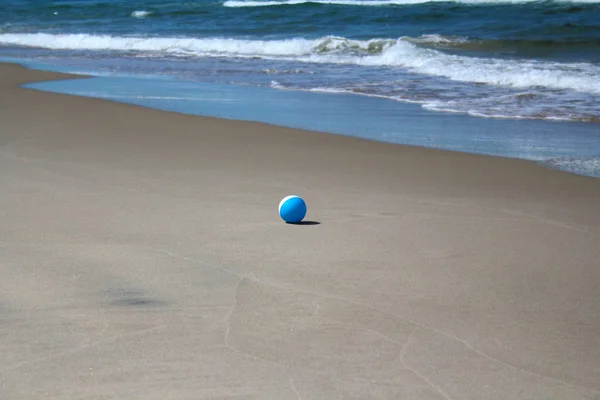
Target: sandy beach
x=142, y=257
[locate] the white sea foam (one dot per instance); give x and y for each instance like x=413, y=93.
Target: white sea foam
x=252, y=3
x=374, y=3
x=169, y=45
x=580, y=165
x=336, y=50
x=436, y=39
x=141, y=14
x=329, y=90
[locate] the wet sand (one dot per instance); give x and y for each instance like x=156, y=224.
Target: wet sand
x=142, y=257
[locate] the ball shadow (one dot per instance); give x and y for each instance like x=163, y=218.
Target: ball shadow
x=305, y=223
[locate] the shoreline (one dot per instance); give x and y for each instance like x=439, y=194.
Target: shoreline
x=559, y=145
x=61, y=77
x=141, y=256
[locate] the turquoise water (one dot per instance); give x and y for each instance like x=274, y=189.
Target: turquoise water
x=516, y=67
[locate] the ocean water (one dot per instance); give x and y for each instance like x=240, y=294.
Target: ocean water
x=509, y=60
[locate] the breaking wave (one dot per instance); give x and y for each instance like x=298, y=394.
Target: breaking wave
x=403, y=52
x=374, y=3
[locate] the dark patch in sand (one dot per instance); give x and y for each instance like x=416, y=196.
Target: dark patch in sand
x=131, y=298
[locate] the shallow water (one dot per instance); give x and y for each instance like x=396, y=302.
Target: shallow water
x=367, y=68
x=571, y=146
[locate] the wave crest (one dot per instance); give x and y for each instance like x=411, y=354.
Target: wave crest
x=375, y=3
x=270, y=3
x=402, y=52
x=141, y=14
x=340, y=45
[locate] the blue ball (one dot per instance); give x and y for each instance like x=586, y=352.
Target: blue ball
x=292, y=209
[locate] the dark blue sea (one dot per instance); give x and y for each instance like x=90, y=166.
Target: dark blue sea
x=516, y=78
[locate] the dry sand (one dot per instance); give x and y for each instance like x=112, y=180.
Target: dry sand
x=142, y=257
